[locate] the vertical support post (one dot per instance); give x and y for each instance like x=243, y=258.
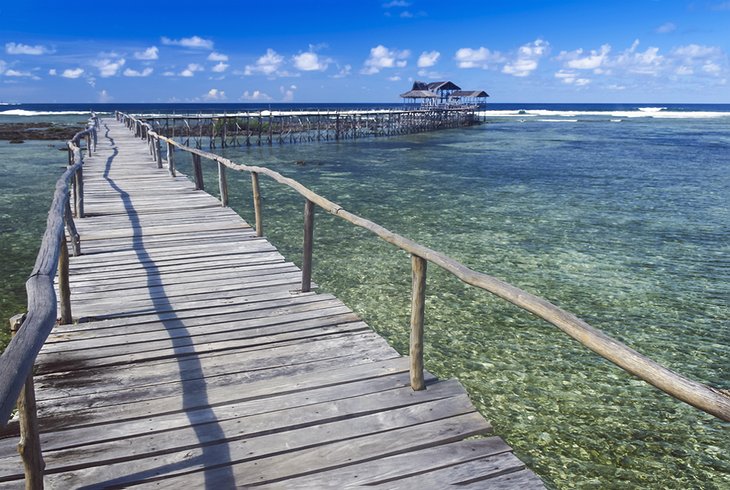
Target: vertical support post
x=63, y=286
x=29, y=446
x=257, y=204
x=73, y=233
x=223, y=184
x=308, y=245
x=418, y=303
x=158, y=150
x=171, y=159
x=198, y=171
x=79, y=191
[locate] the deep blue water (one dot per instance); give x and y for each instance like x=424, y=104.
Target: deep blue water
x=619, y=215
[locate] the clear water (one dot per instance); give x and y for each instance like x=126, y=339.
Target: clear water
x=624, y=224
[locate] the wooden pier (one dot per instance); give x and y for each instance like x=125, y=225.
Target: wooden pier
x=196, y=361
x=282, y=127
x=178, y=348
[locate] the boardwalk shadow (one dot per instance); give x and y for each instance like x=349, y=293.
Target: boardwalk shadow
x=194, y=388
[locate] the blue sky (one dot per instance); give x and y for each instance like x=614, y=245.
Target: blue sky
x=366, y=51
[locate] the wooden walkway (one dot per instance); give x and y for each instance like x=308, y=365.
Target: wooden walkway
x=197, y=363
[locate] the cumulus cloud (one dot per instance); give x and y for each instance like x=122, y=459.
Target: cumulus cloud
x=570, y=78
x=214, y=56
x=195, y=42
x=287, y=93
x=396, y=3
x=666, y=28
x=20, y=74
x=477, y=58
x=310, y=61
x=694, y=51
x=585, y=60
x=648, y=62
x=190, y=70
x=52, y=72
x=343, y=72
x=395, y=78
x=382, y=57
x=148, y=54
x=215, y=94
x=18, y=48
x=428, y=59
x=109, y=67
x=134, y=73
x=528, y=57
x=105, y=97
x=220, y=67
x=268, y=64
x=72, y=73
x=255, y=95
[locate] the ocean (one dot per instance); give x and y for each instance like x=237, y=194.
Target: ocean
x=617, y=213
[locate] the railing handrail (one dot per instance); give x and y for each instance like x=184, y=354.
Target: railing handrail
x=707, y=398
x=16, y=361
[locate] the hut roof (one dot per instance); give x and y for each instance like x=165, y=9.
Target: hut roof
x=443, y=86
x=419, y=94
x=469, y=93
x=419, y=86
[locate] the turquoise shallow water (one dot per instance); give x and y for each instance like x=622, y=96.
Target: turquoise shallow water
x=625, y=225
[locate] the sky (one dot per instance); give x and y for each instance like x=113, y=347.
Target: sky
x=601, y=51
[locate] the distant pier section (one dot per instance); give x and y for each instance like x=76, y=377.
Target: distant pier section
x=429, y=107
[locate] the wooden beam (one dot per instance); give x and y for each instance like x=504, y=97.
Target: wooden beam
x=308, y=246
x=223, y=184
x=418, y=304
x=257, y=204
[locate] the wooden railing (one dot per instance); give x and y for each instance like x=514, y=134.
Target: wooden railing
x=31, y=330
x=699, y=395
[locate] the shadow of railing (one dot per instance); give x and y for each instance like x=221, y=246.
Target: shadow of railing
x=194, y=387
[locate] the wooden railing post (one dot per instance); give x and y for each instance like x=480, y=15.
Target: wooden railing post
x=308, y=245
x=158, y=151
x=257, y=204
x=198, y=171
x=73, y=233
x=79, y=192
x=29, y=446
x=64, y=289
x=223, y=184
x=418, y=303
x=171, y=159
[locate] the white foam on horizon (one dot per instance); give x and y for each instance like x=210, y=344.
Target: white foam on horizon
x=23, y=112
x=558, y=120
x=655, y=113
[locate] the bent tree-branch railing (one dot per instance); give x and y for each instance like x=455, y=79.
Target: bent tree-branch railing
x=707, y=398
x=31, y=330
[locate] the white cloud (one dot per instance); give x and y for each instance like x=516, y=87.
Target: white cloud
x=109, y=67
x=709, y=67
x=617, y=87
x=382, y=57
x=477, y=58
x=16, y=73
x=649, y=62
x=406, y=15
x=220, y=67
x=13, y=48
x=528, y=57
x=168, y=74
x=105, y=97
x=214, y=56
x=310, y=61
x=287, y=93
x=72, y=73
x=343, y=72
x=580, y=60
x=268, y=64
x=190, y=70
x=196, y=42
x=255, y=95
x=428, y=59
x=570, y=78
x=148, y=54
x=52, y=72
x=666, y=28
x=693, y=51
x=134, y=73
x=395, y=78
x=396, y=3
x=215, y=94
x=684, y=70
